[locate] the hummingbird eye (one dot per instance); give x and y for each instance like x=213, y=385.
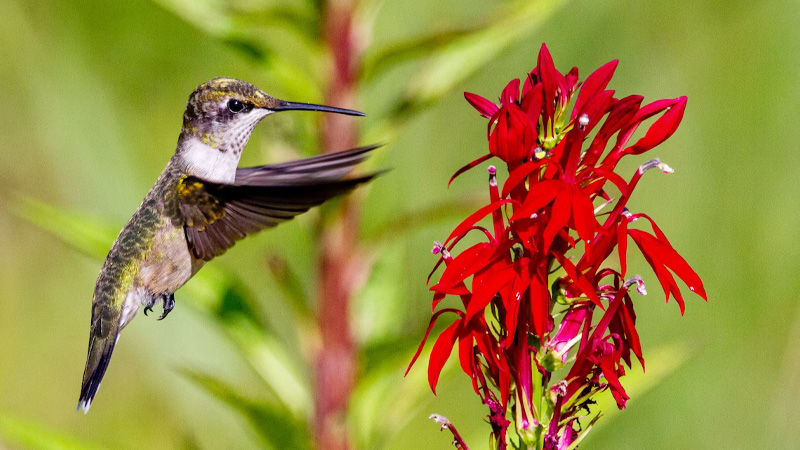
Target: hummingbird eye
x=235, y=106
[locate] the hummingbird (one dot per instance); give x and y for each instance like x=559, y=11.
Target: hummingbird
x=201, y=205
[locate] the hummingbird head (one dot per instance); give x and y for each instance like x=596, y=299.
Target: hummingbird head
x=219, y=119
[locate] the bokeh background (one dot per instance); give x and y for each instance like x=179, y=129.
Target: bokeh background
x=90, y=110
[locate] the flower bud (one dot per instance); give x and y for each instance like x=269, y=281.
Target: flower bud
x=513, y=135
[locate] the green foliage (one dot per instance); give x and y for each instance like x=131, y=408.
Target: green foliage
x=93, y=94
x=453, y=57
x=33, y=436
x=277, y=427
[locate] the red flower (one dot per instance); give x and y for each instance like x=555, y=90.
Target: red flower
x=513, y=137
x=546, y=253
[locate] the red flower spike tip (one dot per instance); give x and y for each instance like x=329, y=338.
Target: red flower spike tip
x=545, y=264
x=513, y=135
x=486, y=107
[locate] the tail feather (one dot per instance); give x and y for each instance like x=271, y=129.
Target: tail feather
x=100, y=350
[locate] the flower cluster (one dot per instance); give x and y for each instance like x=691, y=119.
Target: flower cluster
x=541, y=290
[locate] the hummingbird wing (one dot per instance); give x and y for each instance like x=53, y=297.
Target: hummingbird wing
x=217, y=215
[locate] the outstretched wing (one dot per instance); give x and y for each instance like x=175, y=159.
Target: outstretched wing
x=215, y=215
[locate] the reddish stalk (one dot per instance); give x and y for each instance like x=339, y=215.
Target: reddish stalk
x=335, y=365
x=458, y=441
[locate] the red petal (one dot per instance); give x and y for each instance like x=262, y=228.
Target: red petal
x=664, y=276
x=540, y=305
x=477, y=258
x=619, y=182
x=569, y=327
x=513, y=136
x=644, y=113
x=452, y=289
x=441, y=353
x=458, y=269
x=661, y=130
x=660, y=234
x=505, y=387
x=486, y=345
x=476, y=216
x=595, y=83
x=559, y=216
x=540, y=195
x=466, y=356
x=520, y=173
x=572, y=153
x=548, y=76
x=597, y=107
x=437, y=297
x=532, y=103
x=469, y=166
x=622, y=246
x=427, y=332
x=619, y=116
x=572, y=79
x=670, y=258
x=651, y=109
x=609, y=371
x=512, y=302
x=485, y=286
x=629, y=320
x=486, y=107
x=602, y=325
x=579, y=279
x=583, y=217
x=486, y=233
x=510, y=93
x=436, y=266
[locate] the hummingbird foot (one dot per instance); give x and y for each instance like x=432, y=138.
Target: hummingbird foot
x=169, y=303
x=149, y=306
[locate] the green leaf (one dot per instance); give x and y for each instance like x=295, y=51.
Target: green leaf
x=409, y=221
x=452, y=63
x=274, y=364
x=33, y=436
x=272, y=35
x=291, y=286
x=384, y=401
x=416, y=48
x=303, y=19
x=84, y=234
x=274, y=424
x=582, y=435
x=465, y=56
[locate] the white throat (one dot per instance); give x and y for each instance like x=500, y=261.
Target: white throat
x=207, y=162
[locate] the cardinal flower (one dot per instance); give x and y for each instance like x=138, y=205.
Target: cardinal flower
x=539, y=290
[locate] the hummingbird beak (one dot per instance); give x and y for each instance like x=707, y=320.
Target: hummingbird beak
x=292, y=106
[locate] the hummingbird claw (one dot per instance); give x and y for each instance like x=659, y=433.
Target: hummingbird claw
x=169, y=303
x=149, y=306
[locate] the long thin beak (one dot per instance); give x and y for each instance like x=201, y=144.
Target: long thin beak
x=292, y=106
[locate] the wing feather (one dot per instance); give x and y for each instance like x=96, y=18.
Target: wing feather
x=327, y=167
x=216, y=215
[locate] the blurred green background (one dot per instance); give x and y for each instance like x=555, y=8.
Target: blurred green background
x=91, y=105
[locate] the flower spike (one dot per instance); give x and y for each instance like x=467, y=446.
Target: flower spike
x=528, y=289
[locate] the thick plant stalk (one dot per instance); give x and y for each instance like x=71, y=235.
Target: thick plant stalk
x=335, y=365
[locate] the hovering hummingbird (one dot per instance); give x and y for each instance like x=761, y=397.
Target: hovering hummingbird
x=200, y=205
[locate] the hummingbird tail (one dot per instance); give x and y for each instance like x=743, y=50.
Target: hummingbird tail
x=100, y=349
